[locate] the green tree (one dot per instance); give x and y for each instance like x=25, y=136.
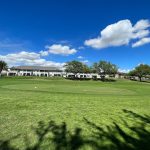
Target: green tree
x=3, y=65
x=140, y=71
x=86, y=69
x=104, y=68
x=95, y=68
x=75, y=67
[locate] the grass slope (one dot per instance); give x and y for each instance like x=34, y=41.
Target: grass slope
x=26, y=101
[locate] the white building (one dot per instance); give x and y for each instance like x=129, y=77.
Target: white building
x=34, y=71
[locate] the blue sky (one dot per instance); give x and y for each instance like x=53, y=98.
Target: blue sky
x=51, y=32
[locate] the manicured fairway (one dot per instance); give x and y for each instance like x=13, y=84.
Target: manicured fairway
x=25, y=102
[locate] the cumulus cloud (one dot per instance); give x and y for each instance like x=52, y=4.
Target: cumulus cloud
x=142, y=24
x=60, y=49
x=28, y=58
x=120, y=33
x=81, y=47
x=140, y=34
x=84, y=61
x=141, y=42
x=35, y=58
x=80, y=57
x=44, y=53
x=124, y=70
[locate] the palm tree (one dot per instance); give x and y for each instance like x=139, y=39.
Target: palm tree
x=3, y=65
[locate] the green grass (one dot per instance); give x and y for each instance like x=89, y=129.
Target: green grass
x=26, y=101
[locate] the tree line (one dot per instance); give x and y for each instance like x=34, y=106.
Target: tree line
x=141, y=71
x=102, y=68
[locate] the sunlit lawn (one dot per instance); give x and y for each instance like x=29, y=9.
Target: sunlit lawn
x=25, y=102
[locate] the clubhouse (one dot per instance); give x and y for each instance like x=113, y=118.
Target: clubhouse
x=34, y=71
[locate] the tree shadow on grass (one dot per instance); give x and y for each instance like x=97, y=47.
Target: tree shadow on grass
x=146, y=81
x=124, y=137
x=133, y=133
x=6, y=144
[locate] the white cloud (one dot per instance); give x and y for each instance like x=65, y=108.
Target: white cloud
x=140, y=34
x=44, y=53
x=33, y=58
x=141, y=42
x=124, y=70
x=60, y=49
x=28, y=58
x=84, y=61
x=120, y=33
x=23, y=55
x=81, y=47
x=80, y=57
x=113, y=35
x=142, y=24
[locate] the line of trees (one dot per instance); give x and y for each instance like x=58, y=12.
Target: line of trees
x=141, y=71
x=102, y=68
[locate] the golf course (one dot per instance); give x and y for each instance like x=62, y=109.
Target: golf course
x=49, y=113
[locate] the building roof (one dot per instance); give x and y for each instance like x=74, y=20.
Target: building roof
x=36, y=68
